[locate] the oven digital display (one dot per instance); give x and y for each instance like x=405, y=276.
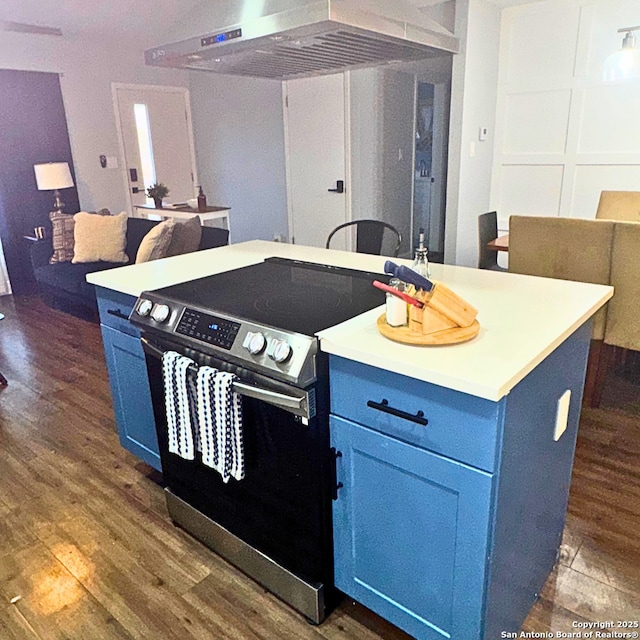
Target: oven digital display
x=209, y=329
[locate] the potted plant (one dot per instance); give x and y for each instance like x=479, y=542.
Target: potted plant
x=158, y=191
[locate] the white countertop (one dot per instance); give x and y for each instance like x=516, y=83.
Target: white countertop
x=522, y=318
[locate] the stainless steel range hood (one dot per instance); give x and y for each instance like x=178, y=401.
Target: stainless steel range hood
x=296, y=38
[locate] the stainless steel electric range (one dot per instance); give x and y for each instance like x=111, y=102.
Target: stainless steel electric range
x=259, y=322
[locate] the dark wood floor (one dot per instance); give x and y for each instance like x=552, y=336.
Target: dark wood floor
x=87, y=551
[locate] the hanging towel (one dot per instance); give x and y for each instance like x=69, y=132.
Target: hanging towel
x=180, y=403
x=220, y=423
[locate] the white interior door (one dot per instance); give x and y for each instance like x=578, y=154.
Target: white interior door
x=315, y=130
x=156, y=137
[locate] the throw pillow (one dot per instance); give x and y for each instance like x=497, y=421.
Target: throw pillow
x=156, y=243
x=186, y=237
x=61, y=237
x=99, y=238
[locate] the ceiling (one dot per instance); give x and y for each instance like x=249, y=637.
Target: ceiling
x=145, y=20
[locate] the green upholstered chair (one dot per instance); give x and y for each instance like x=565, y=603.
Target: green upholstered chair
x=568, y=249
x=619, y=205
x=623, y=315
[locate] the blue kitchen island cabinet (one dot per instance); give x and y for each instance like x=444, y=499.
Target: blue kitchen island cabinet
x=450, y=529
x=128, y=380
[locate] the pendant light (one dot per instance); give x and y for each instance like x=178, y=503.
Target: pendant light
x=624, y=64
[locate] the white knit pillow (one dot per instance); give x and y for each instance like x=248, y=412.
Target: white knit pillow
x=156, y=243
x=99, y=238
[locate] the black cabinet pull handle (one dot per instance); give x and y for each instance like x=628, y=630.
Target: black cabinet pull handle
x=335, y=485
x=117, y=313
x=384, y=406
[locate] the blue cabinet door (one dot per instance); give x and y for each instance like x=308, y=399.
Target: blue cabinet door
x=411, y=533
x=131, y=395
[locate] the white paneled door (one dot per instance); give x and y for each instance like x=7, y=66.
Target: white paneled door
x=156, y=137
x=316, y=157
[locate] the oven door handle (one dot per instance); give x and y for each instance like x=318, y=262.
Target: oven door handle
x=272, y=397
x=299, y=404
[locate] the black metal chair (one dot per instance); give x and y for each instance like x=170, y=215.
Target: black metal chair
x=487, y=231
x=372, y=236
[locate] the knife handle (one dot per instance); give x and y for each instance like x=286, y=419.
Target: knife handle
x=414, y=278
x=408, y=275
x=399, y=294
x=391, y=268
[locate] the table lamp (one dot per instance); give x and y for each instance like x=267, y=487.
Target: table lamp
x=52, y=176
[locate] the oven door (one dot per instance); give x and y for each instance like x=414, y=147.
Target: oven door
x=282, y=507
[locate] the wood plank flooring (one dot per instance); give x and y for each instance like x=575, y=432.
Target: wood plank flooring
x=87, y=551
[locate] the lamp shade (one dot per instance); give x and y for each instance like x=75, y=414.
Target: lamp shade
x=624, y=64
x=53, y=175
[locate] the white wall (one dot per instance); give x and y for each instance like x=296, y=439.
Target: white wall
x=564, y=134
x=398, y=142
x=239, y=135
x=382, y=103
x=87, y=69
x=473, y=105
x=365, y=114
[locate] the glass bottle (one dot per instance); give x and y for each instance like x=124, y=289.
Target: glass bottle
x=421, y=262
x=202, y=201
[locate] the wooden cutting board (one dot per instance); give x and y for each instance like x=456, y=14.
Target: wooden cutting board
x=444, y=337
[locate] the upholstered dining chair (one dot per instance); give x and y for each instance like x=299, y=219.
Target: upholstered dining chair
x=568, y=249
x=619, y=205
x=623, y=316
x=372, y=236
x=487, y=231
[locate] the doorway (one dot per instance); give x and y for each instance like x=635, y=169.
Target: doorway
x=430, y=161
x=156, y=141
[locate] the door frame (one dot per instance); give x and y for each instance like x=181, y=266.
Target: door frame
x=124, y=170
x=346, y=91
x=439, y=151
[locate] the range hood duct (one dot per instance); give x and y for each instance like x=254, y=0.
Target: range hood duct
x=284, y=39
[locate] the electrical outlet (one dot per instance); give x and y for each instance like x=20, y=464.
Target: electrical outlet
x=562, y=414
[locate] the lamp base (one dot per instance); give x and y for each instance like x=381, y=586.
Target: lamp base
x=58, y=205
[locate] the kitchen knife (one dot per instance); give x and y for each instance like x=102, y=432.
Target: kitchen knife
x=408, y=275
x=399, y=294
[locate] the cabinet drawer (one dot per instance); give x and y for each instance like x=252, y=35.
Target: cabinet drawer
x=459, y=426
x=114, y=308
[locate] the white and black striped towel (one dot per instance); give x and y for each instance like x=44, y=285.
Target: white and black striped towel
x=180, y=403
x=220, y=423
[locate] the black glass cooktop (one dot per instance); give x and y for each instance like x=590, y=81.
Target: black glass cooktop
x=302, y=297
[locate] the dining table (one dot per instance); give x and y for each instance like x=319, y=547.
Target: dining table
x=501, y=243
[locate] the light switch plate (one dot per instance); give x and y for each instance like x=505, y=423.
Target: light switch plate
x=562, y=414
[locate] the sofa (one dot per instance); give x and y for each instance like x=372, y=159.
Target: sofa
x=63, y=285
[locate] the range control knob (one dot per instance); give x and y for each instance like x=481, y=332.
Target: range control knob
x=279, y=350
x=254, y=343
x=144, y=307
x=160, y=312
